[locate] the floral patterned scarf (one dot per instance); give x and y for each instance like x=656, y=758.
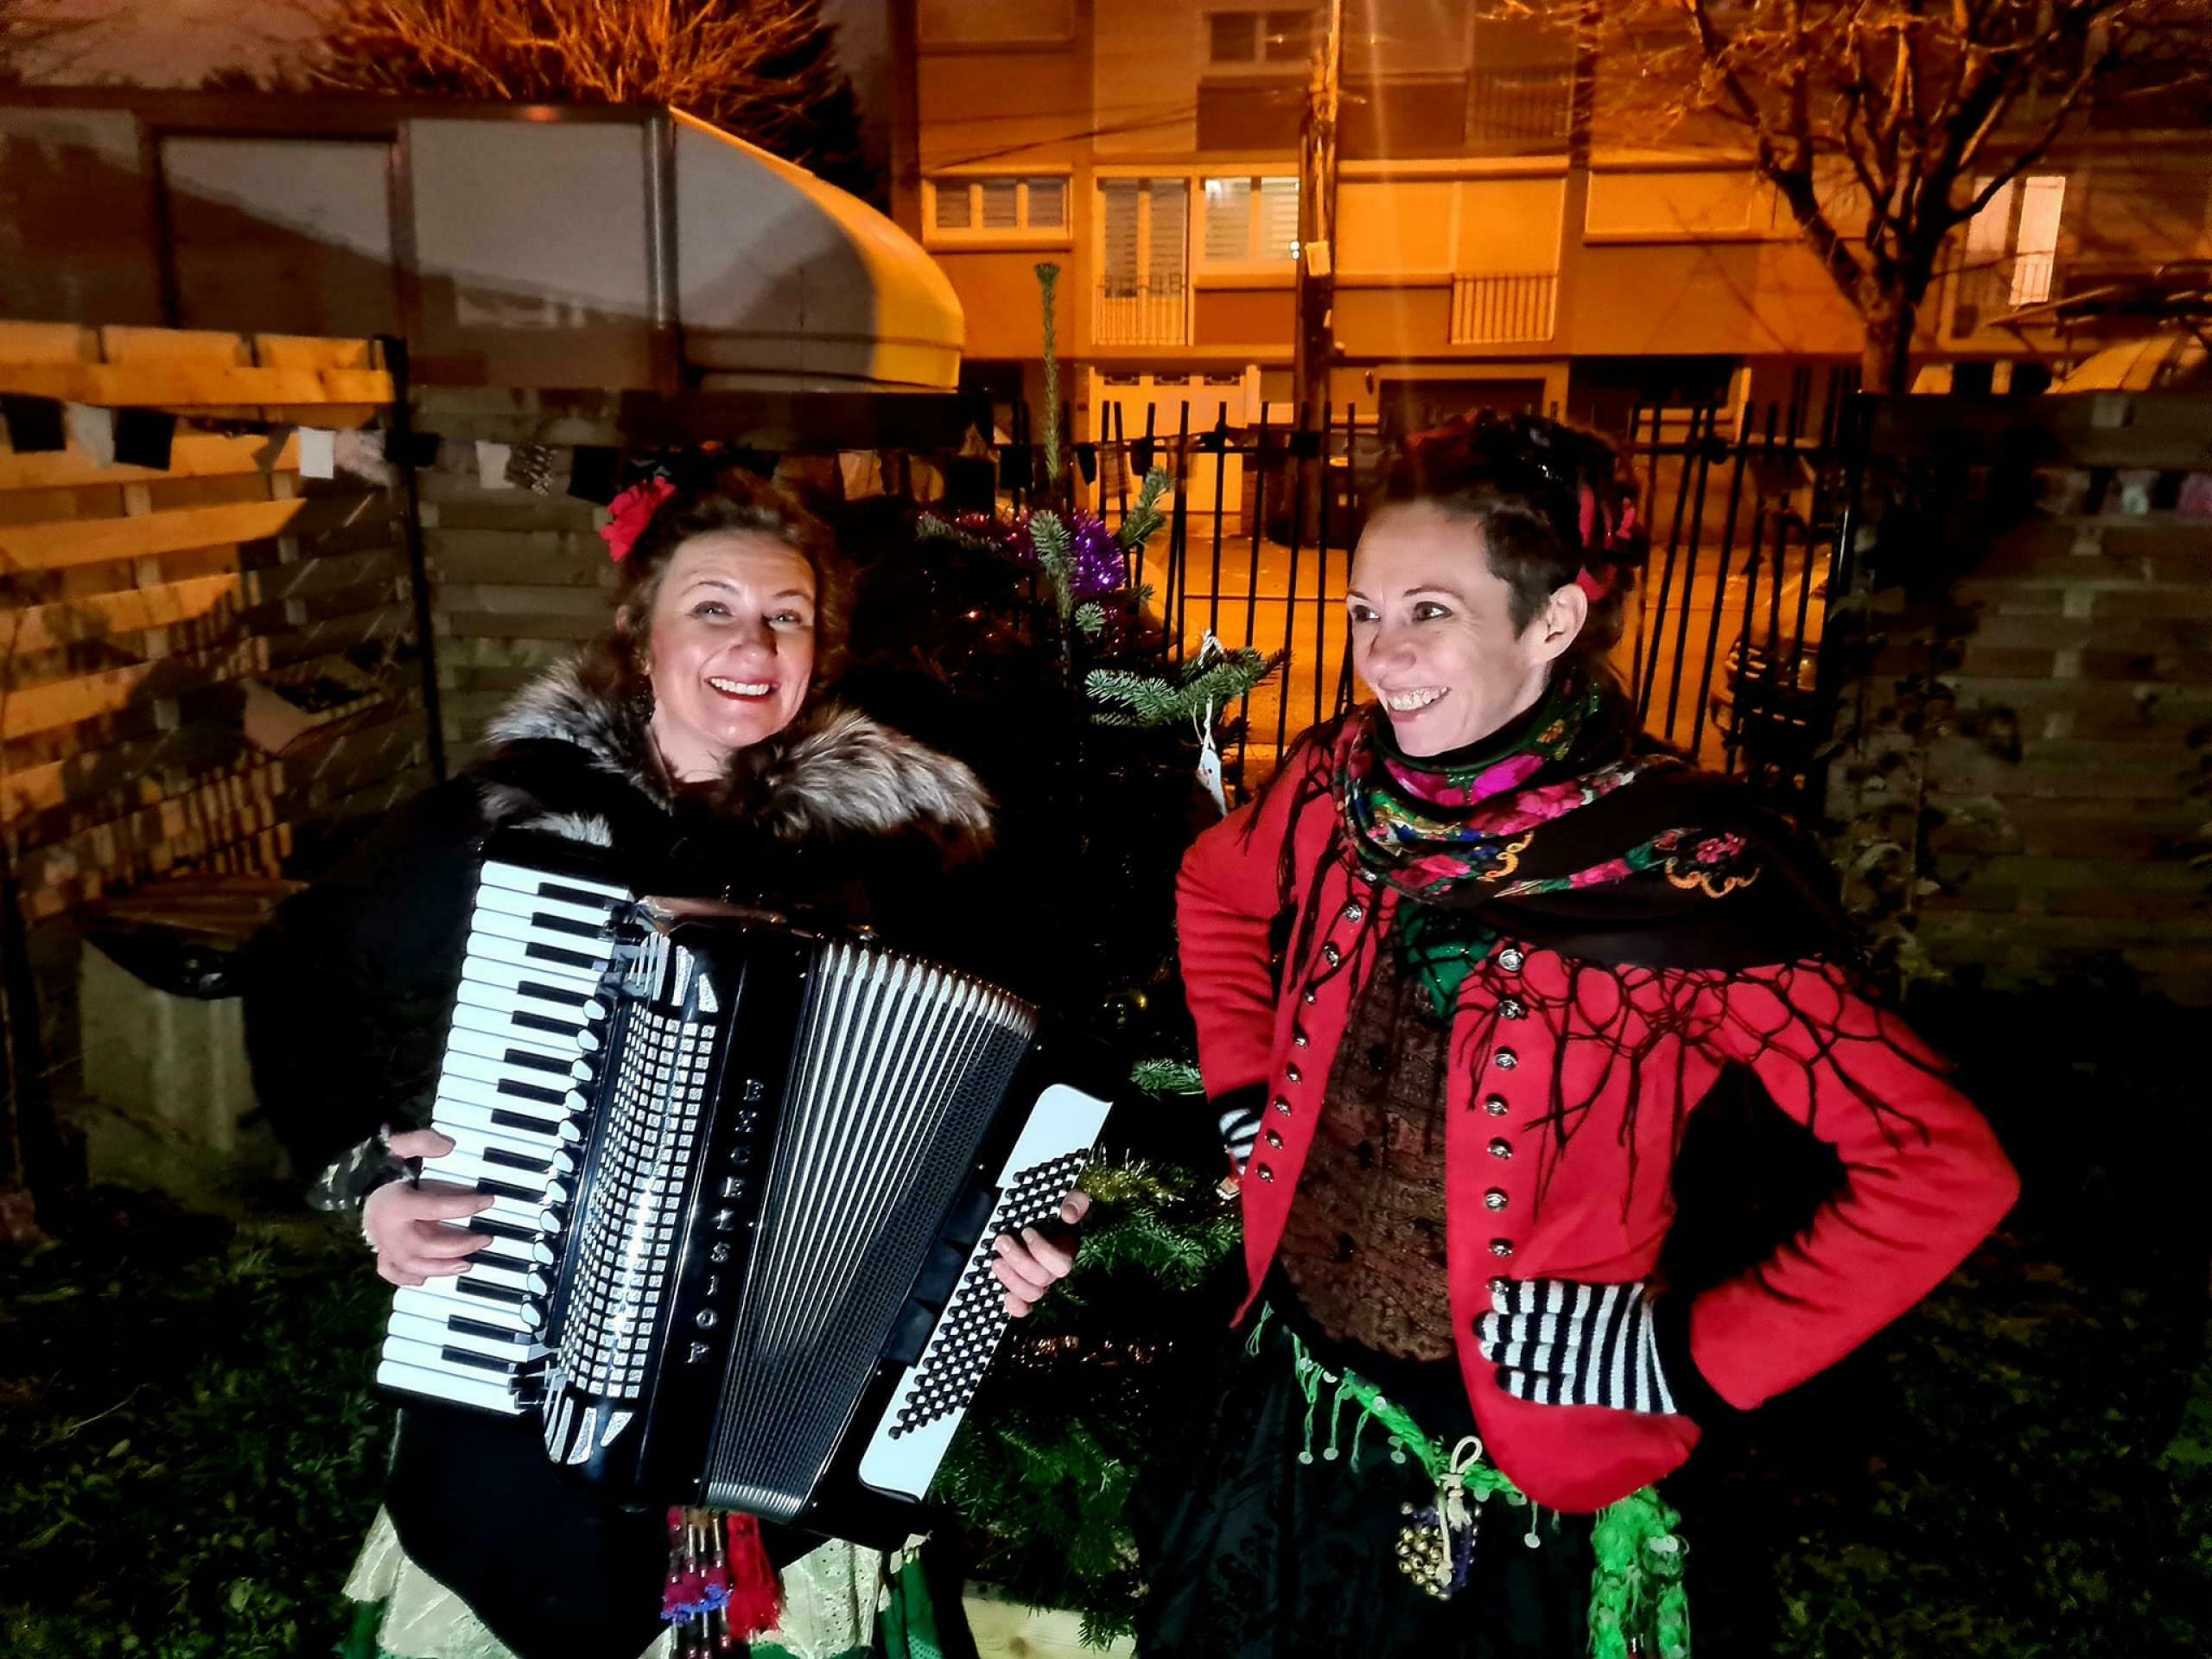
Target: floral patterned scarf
x=1509, y=819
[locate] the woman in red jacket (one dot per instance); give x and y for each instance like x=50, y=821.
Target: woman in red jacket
x=1459, y=977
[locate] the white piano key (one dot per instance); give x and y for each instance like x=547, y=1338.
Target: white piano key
x=542, y=1064
x=492, y=981
x=571, y=1033
x=483, y=1091
x=517, y=1347
x=493, y=947
x=501, y=1022
x=486, y=924
x=490, y=1394
x=497, y=873
x=543, y=1134
x=442, y=1298
x=469, y=1167
x=532, y=906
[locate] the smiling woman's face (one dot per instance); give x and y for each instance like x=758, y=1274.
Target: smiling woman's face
x=732, y=648
x=1433, y=633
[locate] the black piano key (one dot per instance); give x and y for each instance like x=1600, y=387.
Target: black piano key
x=507, y=1159
x=523, y=1058
x=507, y=1190
x=531, y=1091
x=562, y=893
x=530, y=1022
x=489, y=1292
x=568, y=958
x=462, y=1324
x=544, y=992
x=518, y=1121
x=492, y=1229
x=478, y=1362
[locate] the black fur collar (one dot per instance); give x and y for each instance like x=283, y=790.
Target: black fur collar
x=833, y=772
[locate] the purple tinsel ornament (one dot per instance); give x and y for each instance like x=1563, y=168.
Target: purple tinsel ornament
x=1099, y=566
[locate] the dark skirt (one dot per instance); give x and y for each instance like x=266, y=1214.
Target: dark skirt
x=1265, y=1556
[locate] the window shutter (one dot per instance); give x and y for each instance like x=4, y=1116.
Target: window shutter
x=1048, y=204
x=1228, y=219
x=1118, y=256
x=1001, y=205
x=1278, y=219
x=1171, y=215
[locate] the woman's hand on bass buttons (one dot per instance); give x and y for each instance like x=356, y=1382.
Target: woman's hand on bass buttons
x=1032, y=1262
x=405, y=1225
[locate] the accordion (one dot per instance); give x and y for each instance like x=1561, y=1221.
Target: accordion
x=745, y=1181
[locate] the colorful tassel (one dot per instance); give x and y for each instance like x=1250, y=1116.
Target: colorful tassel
x=721, y=1590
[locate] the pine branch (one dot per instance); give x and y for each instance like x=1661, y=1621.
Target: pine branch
x=1147, y=700
x=1090, y=619
x=1048, y=533
x=1144, y=516
x=931, y=528
x=1158, y=1078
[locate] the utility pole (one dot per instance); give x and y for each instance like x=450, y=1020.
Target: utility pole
x=1315, y=348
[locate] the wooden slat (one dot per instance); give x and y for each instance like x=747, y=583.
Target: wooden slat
x=233, y=807
x=523, y=599
x=539, y=624
x=47, y=342
x=102, y=616
x=194, y=455
x=55, y=547
x=141, y=347
x=43, y=707
x=198, y=386
x=313, y=352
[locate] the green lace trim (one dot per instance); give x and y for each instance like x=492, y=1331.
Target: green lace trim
x=1638, y=1601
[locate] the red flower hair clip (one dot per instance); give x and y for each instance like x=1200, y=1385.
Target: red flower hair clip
x=630, y=513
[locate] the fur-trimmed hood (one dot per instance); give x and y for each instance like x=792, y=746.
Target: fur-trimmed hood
x=834, y=774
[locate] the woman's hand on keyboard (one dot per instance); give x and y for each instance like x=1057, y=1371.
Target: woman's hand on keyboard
x=1032, y=1262
x=404, y=1222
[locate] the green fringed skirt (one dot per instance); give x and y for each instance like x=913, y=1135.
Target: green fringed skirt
x=1270, y=1555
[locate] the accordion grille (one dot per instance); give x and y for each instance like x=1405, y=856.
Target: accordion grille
x=898, y=1069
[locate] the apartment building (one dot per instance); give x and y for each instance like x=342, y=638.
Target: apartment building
x=1486, y=252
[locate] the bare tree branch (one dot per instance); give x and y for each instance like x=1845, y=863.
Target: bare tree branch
x=1928, y=106
x=764, y=69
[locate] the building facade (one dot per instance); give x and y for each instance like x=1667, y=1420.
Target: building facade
x=1487, y=252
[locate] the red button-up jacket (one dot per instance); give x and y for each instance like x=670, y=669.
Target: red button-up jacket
x=1926, y=1178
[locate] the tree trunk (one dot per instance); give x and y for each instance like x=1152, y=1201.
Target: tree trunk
x=1885, y=363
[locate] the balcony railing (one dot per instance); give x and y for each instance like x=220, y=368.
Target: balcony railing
x=1138, y=313
x=1524, y=110
x=1518, y=309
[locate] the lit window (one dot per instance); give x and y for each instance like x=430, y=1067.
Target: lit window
x=1251, y=220
x=989, y=207
x=1143, y=236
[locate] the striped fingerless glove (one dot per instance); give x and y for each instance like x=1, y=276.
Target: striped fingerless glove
x=1559, y=1343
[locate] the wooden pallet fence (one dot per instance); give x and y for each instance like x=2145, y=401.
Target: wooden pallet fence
x=519, y=581
x=134, y=603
